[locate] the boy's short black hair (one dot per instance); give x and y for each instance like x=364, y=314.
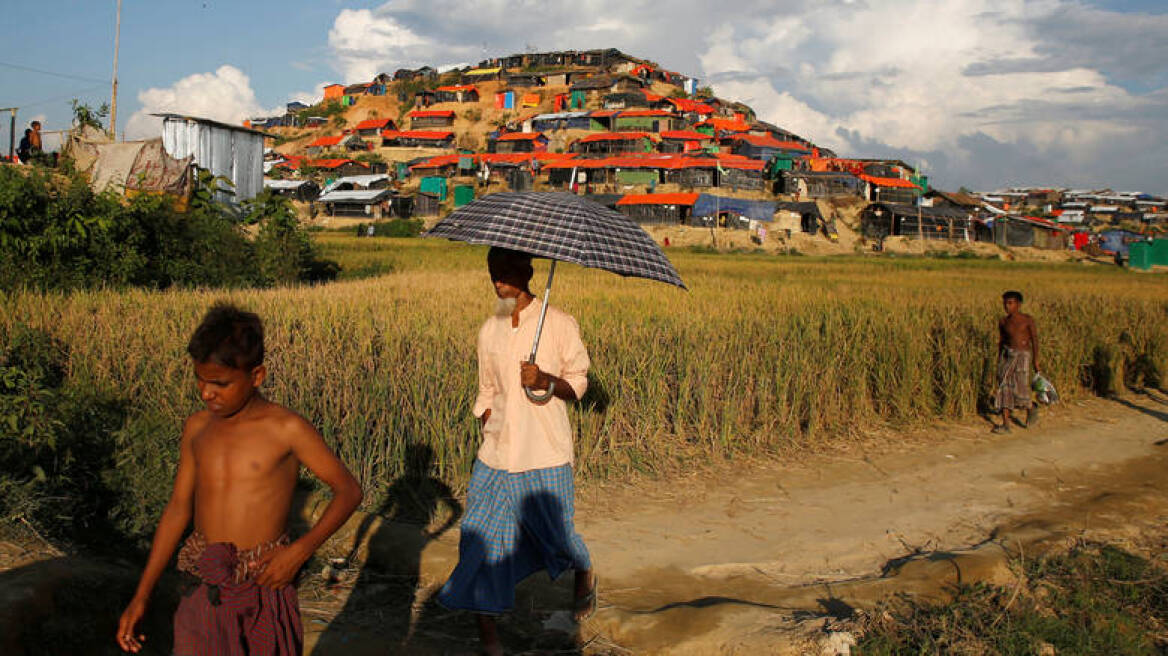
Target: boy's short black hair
x=230, y=337
x=1017, y=296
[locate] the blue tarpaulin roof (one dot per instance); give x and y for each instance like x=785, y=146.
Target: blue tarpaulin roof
x=1118, y=240
x=709, y=204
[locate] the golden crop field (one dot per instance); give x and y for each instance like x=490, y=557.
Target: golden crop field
x=763, y=354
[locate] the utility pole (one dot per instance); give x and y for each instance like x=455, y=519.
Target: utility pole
x=11, y=133
x=113, y=126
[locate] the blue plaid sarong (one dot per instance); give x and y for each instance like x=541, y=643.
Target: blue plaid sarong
x=516, y=524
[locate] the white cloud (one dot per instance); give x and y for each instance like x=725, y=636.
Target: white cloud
x=365, y=42
x=224, y=95
x=988, y=91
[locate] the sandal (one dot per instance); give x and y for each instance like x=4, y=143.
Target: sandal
x=585, y=607
x=1000, y=429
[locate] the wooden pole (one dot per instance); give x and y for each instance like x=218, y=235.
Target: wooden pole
x=113, y=126
x=12, y=135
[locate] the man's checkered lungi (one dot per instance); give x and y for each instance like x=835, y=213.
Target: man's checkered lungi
x=516, y=524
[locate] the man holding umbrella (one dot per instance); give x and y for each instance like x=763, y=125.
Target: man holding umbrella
x=520, y=505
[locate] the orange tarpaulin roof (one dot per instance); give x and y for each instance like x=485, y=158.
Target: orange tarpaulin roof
x=458, y=87
x=728, y=124
x=888, y=182
x=769, y=141
x=659, y=199
x=431, y=113
x=659, y=161
x=440, y=160
x=520, y=136
x=333, y=163
x=688, y=135
x=687, y=105
x=614, y=136
x=644, y=112
x=493, y=158
x=371, y=123
x=327, y=141
x=417, y=134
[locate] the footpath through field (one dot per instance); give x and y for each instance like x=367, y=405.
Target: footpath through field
x=737, y=562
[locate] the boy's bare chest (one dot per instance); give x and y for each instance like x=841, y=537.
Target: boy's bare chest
x=238, y=455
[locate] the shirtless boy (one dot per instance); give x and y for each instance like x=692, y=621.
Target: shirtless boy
x=238, y=463
x=1017, y=355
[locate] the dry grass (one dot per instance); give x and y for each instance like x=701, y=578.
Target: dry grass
x=762, y=355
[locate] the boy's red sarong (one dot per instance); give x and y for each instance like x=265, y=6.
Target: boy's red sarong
x=228, y=614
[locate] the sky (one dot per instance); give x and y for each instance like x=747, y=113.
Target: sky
x=982, y=94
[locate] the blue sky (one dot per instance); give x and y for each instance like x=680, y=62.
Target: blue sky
x=983, y=93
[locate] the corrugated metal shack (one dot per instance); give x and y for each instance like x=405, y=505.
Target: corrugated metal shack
x=229, y=151
x=355, y=202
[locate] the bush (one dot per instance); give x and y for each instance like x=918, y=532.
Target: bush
x=57, y=446
x=284, y=251
x=55, y=233
x=398, y=228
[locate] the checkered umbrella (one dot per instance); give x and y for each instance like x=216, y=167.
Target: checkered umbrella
x=559, y=226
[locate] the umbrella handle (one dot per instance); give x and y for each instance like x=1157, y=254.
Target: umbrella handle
x=535, y=396
x=540, y=398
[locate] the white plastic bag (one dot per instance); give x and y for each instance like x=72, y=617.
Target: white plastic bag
x=1044, y=391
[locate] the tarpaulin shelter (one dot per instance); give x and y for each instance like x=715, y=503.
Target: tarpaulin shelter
x=657, y=208
x=1147, y=254
x=715, y=208
x=879, y=220
x=463, y=194
x=1118, y=241
x=301, y=190
x=434, y=185
x=131, y=167
x=802, y=216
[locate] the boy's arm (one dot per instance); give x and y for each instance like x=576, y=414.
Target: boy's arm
x=281, y=565
x=174, y=521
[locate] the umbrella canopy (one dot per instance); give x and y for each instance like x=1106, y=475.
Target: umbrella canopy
x=560, y=226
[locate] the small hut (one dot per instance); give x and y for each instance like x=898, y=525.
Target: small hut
x=301, y=190
x=434, y=118
x=879, y=220
x=355, y=203
x=661, y=209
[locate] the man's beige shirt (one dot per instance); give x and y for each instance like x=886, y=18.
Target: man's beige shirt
x=522, y=435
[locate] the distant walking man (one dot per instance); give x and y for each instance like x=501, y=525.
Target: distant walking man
x=520, y=506
x=1017, y=354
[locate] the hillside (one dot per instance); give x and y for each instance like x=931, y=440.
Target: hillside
x=620, y=128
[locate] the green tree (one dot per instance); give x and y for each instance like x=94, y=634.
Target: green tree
x=85, y=115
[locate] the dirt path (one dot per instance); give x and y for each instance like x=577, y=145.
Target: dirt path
x=844, y=516
x=753, y=560
x=727, y=564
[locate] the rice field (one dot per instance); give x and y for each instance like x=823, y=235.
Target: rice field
x=763, y=355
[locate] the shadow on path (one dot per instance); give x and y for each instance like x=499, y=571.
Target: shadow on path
x=380, y=607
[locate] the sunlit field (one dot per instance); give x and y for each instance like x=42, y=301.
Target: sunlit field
x=762, y=355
